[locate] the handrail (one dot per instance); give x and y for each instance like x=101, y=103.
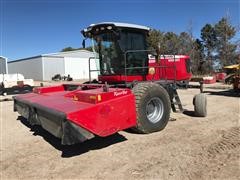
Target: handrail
x=165, y=67
x=131, y=68
x=89, y=68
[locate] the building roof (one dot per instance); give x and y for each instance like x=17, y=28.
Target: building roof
x=2, y=57
x=70, y=53
x=75, y=53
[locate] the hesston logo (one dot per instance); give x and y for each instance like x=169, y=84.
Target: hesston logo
x=120, y=93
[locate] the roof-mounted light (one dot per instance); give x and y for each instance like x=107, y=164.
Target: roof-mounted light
x=89, y=28
x=109, y=27
x=102, y=28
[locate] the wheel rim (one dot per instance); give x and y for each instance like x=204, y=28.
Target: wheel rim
x=154, y=109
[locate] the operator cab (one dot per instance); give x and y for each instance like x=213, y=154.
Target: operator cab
x=122, y=50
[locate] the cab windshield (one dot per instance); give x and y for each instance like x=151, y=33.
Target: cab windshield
x=114, y=47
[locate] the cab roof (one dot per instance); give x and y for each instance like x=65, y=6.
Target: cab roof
x=120, y=24
x=116, y=25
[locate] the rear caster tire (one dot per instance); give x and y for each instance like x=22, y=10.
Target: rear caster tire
x=200, y=105
x=152, y=106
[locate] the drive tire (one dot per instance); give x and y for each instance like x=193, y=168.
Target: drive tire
x=152, y=107
x=200, y=105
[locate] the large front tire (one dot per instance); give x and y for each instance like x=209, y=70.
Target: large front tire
x=152, y=106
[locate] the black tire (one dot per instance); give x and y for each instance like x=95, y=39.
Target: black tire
x=200, y=105
x=1, y=88
x=152, y=107
x=27, y=88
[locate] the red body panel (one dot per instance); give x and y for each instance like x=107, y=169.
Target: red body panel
x=209, y=80
x=168, y=65
x=164, y=70
x=220, y=76
x=102, y=113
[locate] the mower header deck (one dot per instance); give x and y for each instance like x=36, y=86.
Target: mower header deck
x=78, y=115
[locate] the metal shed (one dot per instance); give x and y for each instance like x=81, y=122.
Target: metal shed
x=45, y=66
x=3, y=65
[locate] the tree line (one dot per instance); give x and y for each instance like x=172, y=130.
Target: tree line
x=214, y=49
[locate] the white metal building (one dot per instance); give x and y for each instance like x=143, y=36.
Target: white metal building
x=45, y=66
x=3, y=65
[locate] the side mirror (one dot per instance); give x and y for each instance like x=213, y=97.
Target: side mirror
x=83, y=43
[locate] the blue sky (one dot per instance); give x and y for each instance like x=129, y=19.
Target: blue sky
x=33, y=27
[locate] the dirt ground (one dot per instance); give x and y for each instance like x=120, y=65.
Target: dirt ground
x=188, y=148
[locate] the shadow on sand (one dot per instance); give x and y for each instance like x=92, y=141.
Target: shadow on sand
x=189, y=113
x=76, y=149
x=228, y=93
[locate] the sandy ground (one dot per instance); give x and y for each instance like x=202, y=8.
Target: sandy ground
x=188, y=148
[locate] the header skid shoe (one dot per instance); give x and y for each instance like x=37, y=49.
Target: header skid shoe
x=78, y=115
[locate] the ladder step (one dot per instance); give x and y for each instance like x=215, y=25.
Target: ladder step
x=177, y=102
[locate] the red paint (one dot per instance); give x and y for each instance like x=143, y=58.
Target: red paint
x=104, y=113
x=49, y=89
x=164, y=70
x=114, y=111
x=220, y=76
x=209, y=80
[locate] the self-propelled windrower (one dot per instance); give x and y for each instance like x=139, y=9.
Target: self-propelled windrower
x=131, y=92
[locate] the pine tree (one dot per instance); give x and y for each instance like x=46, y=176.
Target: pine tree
x=225, y=48
x=209, y=39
